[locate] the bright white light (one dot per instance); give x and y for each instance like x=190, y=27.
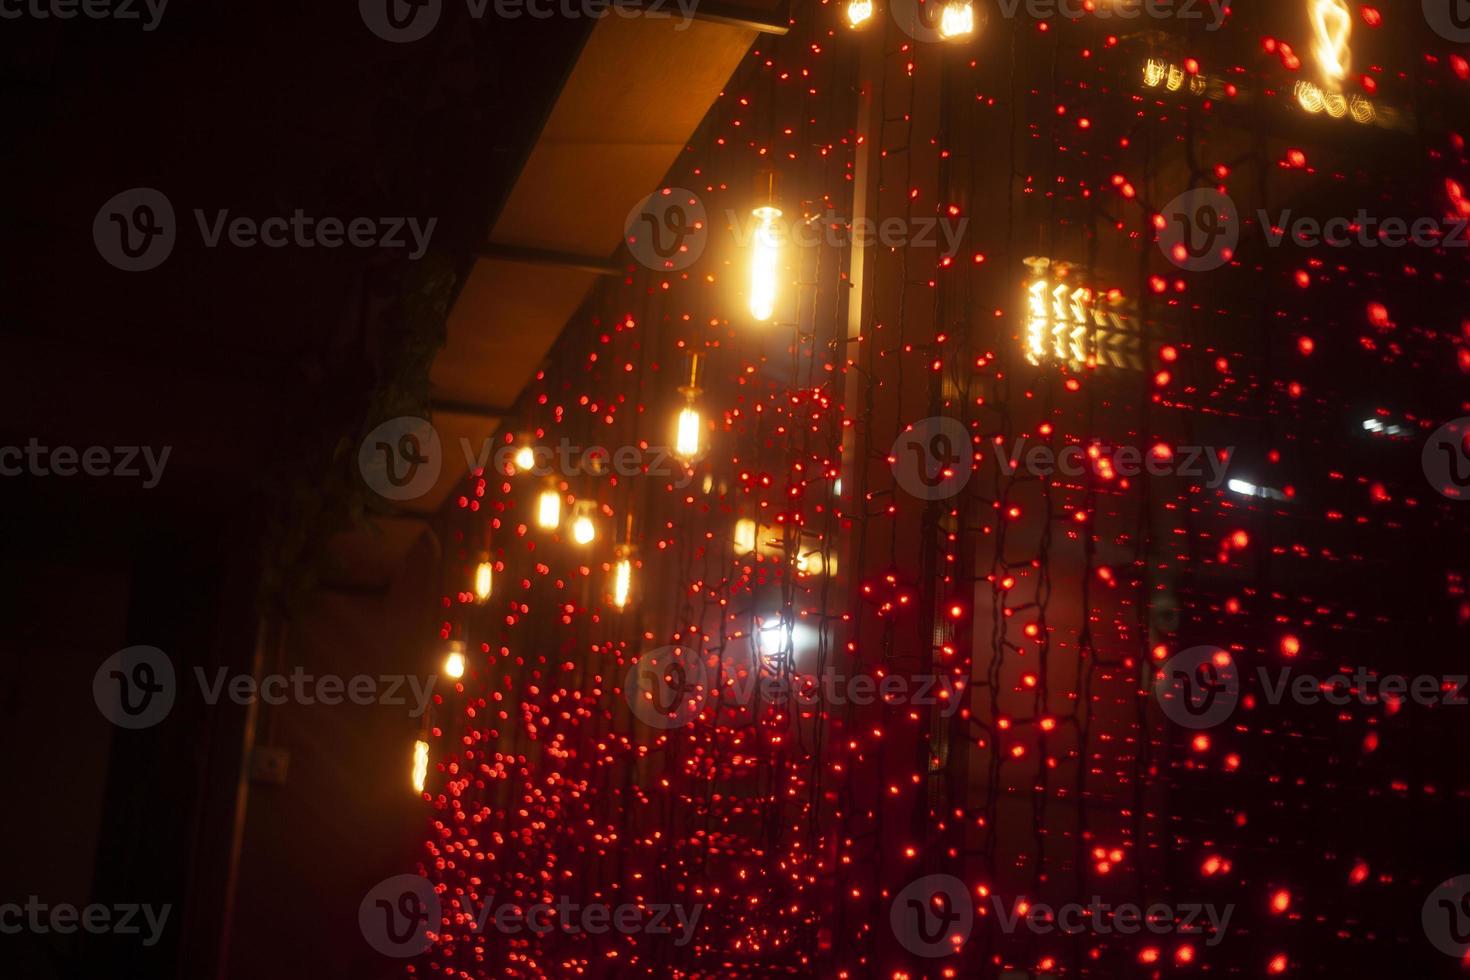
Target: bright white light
x=837, y=487
x=1248, y=489
x=686, y=443
x=763, y=263
x=420, y=765
x=957, y=19
x=1375, y=426
x=484, y=575
x=583, y=530
x=525, y=459
x=769, y=641
x=859, y=11
x=548, y=509
x=622, y=583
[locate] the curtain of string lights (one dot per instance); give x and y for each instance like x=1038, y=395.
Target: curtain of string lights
x=756, y=535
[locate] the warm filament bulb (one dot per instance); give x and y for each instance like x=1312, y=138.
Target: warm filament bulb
x=686, y=442
x=420, y=765
x=484, y=575
x=583, y=530
x=763, y=264
x=1332, y=22
x=622, y=583
x=859, y=11
x=957, y=19
x=548, y=509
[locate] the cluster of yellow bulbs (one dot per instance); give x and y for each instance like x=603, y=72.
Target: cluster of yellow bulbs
x=583, y=526
x=956, y=17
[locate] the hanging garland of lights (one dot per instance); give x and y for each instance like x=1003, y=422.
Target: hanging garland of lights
x=757, y=538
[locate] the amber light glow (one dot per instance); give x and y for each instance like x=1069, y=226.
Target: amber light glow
x=484, y=578
x=622, y=583
x=548, y=510
x=420, y=765
x=764, y=260
x=1332, y=25
x=454, y=660
x=686, y=441
x=957, y=19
